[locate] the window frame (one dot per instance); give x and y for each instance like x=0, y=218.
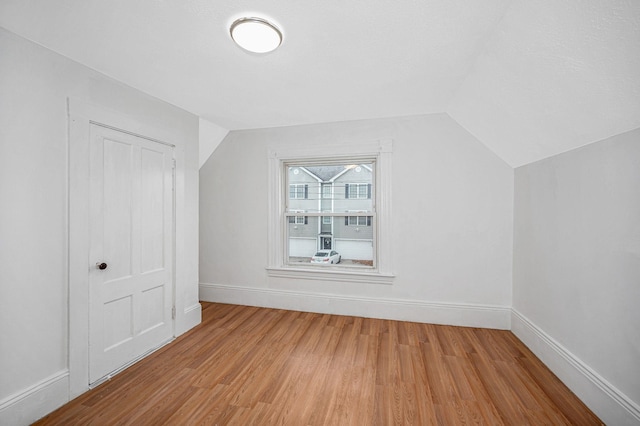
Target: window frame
x=379, y=153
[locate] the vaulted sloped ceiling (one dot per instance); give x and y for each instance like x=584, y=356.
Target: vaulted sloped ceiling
x=553, y=76
x=529, y=79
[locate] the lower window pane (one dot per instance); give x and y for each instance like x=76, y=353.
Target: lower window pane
x=343, y=241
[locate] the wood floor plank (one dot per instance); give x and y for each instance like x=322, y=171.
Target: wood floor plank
x=508, y=406
x=456, y=368
x=255, y=366
x=197, y=406
x=437, y=372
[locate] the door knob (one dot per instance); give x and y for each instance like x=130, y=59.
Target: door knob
x=101, y=265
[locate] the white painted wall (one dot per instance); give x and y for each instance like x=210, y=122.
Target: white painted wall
x=577, y=270
x=210, y=137
x=451, y=217
x=34, y=86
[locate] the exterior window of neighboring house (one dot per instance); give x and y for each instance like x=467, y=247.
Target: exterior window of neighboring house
x=357, y=220
x=298, y=191
x=326, y=190
x=357, y=190
x=337, y=197
x=299, y=220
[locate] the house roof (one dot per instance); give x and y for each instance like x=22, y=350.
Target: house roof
x=325, y=173
x=528, y=79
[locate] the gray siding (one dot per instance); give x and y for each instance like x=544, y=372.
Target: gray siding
x=305, y=231
x=342, y=231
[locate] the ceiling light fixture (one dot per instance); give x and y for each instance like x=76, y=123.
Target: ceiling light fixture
x=255, y=35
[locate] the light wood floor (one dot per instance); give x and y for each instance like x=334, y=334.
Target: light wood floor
x=256, y=366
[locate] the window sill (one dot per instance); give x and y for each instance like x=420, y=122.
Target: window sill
x=367, y=277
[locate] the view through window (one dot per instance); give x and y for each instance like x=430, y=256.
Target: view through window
x=329, y=214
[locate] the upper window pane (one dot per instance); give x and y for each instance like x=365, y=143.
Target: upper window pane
x=330, y=188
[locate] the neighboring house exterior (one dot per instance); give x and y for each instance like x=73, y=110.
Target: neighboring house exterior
x=331, y=189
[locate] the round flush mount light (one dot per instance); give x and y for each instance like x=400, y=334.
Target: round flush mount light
x=255, y=34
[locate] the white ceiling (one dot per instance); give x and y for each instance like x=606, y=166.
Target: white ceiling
x=530, y=79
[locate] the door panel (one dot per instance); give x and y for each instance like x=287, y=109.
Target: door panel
x=131, y=219
x=153, y=231
x=117, y=205
x=117, y=313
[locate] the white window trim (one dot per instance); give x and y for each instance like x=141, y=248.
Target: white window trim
x=277, y=266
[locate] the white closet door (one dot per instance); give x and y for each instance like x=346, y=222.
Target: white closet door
x=131, y=239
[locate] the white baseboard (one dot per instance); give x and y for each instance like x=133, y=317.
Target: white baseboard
x=191, y=317
x=607, y=402
x=468, y=315
x=35, y=402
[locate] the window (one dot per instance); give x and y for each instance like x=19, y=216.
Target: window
x=357, y=190
x=326, y=190
x=298, y=220
x=298, y=191
x=357, y=220
x=340, y=195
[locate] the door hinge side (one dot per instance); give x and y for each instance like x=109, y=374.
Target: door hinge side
x=173, y=312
